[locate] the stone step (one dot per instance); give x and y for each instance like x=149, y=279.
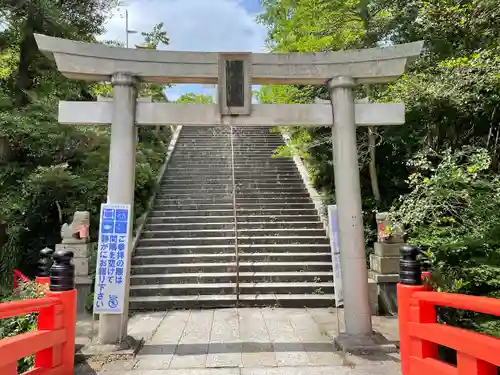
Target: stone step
x=230, y=225
x=228, y=277
x=230, y=300
x=229, y=212
x=251, y=194
x=238, y=176
x=219, y=160
x=208, y=233
x=239, y=173
x=187, y=233
x=193, y=190
x=190, y=219
x=231, y=258
x=255, y=139
x=227, y=195
x=231, y=267
x=224, y=148
x=219, y=153
x=230, y=219
x=250, y=156
x=230, y=288
x=228, y=169
x=223, y=180
x=243, y=240
x=229, y=199
x=226, y=135
x=241, y=184
x=227, y=165
x=223, y=206
x=261, y=139
x=225, y=144
x=230, y=248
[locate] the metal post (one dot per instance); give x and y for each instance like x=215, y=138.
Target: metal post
x=126, y=28
x=45, y=262
x=357, y=311
x=410, y=269
x=121, y=184
x=62, y=272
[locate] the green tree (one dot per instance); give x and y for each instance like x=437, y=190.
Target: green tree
x=49, y=170
x=71, y=19
x=154, y=37
x=195, y=98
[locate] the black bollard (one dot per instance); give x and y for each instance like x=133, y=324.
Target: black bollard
x=62, y=272
x=410, y=272
x=45, y=262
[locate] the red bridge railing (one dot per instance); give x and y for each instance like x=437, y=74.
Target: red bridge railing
x=53, y=341
x=420, y=334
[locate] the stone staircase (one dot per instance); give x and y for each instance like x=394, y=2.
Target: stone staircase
x=186, y=255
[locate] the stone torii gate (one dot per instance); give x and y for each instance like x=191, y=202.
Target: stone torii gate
x=235, y=73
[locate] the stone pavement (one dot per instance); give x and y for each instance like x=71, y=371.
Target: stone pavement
x=249, y=341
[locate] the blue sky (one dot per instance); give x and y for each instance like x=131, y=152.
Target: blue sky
x=193, y=25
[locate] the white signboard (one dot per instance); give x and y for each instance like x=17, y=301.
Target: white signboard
x=333, y=222
x=114, y=229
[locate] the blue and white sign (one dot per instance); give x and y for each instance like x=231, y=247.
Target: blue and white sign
x=333, y=222
x=114, y=230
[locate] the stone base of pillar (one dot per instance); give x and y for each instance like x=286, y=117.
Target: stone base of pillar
x=375, y=343
x=384, y=270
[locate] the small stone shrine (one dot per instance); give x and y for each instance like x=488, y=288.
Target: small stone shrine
x=75, y=238
x=384, y=262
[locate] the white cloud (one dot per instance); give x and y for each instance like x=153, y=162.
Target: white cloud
x=192, y=25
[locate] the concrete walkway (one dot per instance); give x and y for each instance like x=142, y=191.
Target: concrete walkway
x=244, y=341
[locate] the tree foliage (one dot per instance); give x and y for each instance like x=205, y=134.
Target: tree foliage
x=49, y=170
x=439, y=172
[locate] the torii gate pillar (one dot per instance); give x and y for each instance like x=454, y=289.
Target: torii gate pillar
x=121, y=184
x=348, y=200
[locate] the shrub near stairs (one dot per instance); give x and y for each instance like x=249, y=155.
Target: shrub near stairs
x=453, y=209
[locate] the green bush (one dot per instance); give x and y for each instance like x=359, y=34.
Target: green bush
x=453, y=208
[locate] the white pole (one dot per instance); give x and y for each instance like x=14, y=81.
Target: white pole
x=121, y=184
x=357, y=310
x=126, y=28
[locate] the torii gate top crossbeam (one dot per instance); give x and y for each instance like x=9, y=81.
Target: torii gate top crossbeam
x=98, y=62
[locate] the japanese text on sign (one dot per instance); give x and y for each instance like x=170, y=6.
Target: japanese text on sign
x=109, y=293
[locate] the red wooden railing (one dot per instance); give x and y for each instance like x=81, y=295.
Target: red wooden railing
x=54, y=340
x=420, y=334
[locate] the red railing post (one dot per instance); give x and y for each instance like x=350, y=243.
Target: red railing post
x=63, y=315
